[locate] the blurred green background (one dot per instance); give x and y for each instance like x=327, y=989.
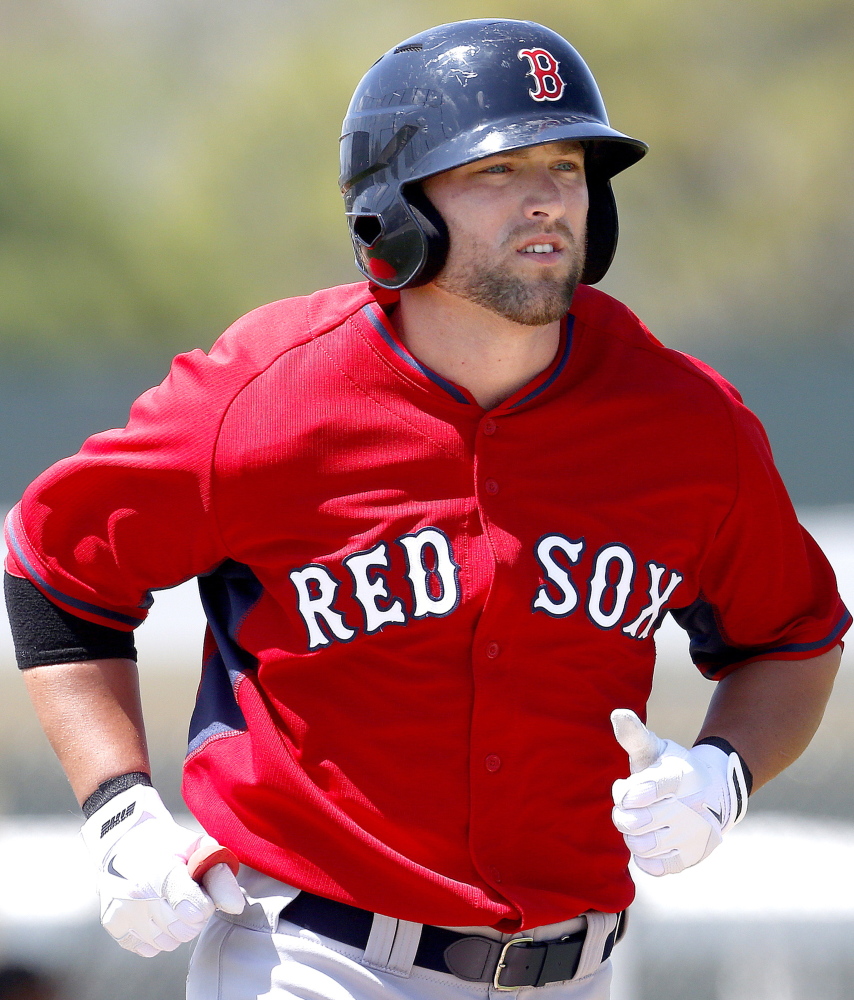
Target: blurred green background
x=167, y=165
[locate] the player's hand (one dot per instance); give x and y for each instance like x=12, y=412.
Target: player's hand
x=149, y=901
x=675, y=808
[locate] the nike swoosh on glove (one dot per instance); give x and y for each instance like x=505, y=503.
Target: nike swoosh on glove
x=677, y=804
x=149, y=902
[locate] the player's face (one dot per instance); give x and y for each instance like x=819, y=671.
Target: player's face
x=517, y=230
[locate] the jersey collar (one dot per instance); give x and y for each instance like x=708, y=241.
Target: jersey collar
x=396, y=351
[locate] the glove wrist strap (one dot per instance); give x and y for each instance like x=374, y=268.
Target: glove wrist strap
x=738, y=779
x=728, y=748
x=110, y=788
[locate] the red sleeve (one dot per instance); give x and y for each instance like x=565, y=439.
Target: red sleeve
x=131, y=512
x=766, y=589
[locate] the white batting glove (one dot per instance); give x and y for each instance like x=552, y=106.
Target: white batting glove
x=149, y=902
x=675, y=808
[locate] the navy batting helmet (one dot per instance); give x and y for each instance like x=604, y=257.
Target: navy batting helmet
x=452, y=95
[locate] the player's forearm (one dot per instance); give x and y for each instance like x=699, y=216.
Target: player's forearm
x=92, y=715
x=770, y=710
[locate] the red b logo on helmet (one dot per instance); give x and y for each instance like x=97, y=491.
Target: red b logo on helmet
x=549, y=85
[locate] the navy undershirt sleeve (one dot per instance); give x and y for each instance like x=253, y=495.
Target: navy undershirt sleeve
x=44, y=633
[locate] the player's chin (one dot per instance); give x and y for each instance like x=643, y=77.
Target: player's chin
x=537, y=305
x=548, y=277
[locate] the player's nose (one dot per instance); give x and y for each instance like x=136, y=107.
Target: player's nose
x=543, y=196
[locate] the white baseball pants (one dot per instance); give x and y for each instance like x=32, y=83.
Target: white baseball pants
x=259, y=956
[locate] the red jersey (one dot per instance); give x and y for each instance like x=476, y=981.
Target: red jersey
x=422, y=614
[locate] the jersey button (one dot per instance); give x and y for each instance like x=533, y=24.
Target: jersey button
x=495, y=873
x=491, y=487
x=492, y=650
x=489, y=426
x=493, y=762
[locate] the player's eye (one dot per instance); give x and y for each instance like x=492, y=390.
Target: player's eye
x=496, y=168
x=569, y=165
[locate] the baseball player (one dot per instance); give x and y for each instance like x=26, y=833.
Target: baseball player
x=436, y=518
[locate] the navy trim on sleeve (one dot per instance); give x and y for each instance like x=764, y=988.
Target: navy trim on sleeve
x=710, y=650
x=31, y=570
x=44, y=633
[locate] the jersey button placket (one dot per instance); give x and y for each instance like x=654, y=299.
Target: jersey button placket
x=489, y=428
x=489, y=774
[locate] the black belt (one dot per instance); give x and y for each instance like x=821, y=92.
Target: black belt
x=507, y=965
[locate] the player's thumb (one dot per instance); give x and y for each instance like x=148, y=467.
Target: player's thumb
x=221, y=885
x=640, y=743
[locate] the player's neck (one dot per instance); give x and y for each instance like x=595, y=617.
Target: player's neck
x=490, y=356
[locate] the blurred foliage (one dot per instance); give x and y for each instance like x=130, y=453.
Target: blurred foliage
x=166, y=165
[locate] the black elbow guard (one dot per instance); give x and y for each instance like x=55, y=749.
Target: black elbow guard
x=44, y=633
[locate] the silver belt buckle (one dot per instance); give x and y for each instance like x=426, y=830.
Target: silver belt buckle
x=503, y=965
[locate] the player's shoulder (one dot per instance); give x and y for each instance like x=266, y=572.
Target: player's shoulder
x=271, y=330
x=611, y=322
x=252, y=346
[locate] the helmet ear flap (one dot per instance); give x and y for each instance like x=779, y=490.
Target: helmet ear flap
x=435, y=232
x=404, y=243
x=602, y=231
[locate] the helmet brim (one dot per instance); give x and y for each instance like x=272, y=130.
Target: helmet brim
x=611, y=151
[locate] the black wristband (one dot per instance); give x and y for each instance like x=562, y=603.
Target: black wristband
x=728, y=748
x=110, y=789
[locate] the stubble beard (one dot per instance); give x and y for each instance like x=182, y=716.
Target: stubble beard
x=535, y=301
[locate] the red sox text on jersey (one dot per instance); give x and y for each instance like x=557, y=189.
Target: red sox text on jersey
x=433, y=577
